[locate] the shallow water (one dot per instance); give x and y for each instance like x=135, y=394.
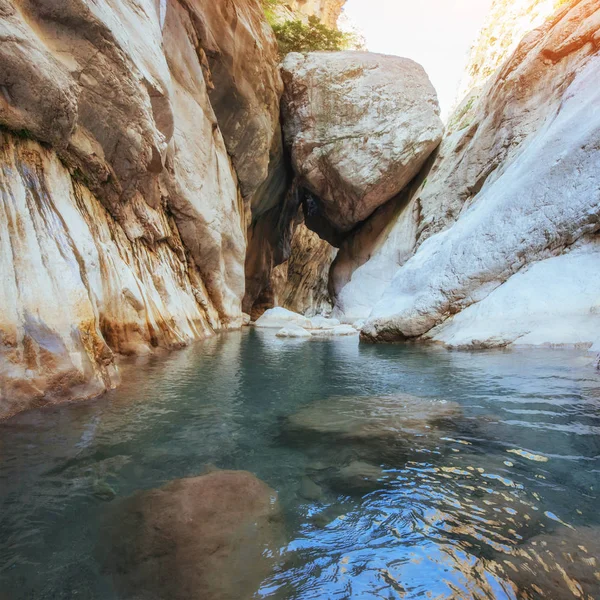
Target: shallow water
x=450, y=508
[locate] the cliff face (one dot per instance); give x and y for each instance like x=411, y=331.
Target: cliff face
x=136, y=138
x=498, y=232
x=506, y=25
x=328, y=11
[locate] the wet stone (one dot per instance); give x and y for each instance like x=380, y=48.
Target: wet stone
x=359, y=476
x=309, y=490
x=213, y=537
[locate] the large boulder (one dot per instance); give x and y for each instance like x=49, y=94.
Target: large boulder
x=359, y=127
x=213, y=537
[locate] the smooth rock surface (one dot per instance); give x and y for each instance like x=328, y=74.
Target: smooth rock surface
x=293, y=331
x=213, y=537
x=536, y=306
x=160, y=132
x=359, y=127
x=281, y=317
x=338, y=330
x=515, y=184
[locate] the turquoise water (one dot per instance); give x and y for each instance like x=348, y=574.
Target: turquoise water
x=494, y=499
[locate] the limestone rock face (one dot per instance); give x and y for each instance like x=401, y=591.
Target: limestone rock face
x=507, y=23
x=328, y=11
x=75, y=289
x=137, y=137
x=244, y=83
x=515, y=186
x=213, y=537
x=301, y=283
x=359, y=127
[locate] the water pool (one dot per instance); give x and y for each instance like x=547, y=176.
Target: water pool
x=492, y=493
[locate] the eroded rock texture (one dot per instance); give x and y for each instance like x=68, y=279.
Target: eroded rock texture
x=301, y=283
x=137, y=137
x=213, y=537
x=328, y=11
x=511, y=191
x=508, y=21
x=359, y=127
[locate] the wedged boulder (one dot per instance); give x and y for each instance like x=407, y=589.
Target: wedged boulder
x=281, y=317
x=213, y=537
x=359, y=127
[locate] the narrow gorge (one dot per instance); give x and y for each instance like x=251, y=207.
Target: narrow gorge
x=276, y=324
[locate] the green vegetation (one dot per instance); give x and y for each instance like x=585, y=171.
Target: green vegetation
x=297, y=35
x=458, y=120
x=270, y=8
x=22, y=134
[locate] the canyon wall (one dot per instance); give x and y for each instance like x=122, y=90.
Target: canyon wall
x=136, y=139
x=492, y=245
x=148, y=195
x=327, y=11
x=506, y=24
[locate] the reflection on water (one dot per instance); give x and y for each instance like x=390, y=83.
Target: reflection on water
x=403, y=472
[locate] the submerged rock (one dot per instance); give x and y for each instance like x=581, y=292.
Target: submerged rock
x=373, y=417
x=359, y=126
x=309, y=490
x=562, y=564
x=358, y=476
x=213, y=537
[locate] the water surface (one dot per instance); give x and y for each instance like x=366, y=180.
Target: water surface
x=496, y=499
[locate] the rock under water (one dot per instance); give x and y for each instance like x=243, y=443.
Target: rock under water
x=213, y=537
